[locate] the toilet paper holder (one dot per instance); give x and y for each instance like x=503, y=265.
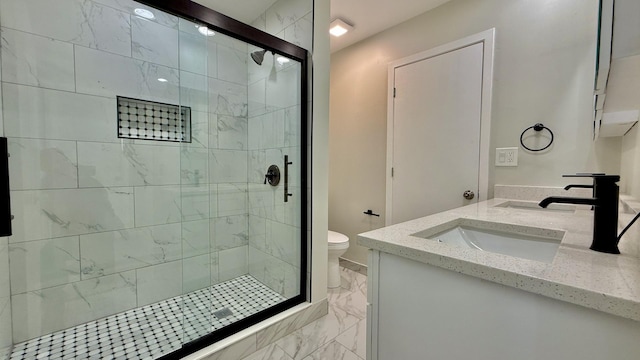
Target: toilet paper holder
x=370, y=213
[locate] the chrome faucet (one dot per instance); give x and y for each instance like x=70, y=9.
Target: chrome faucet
x=605, y=203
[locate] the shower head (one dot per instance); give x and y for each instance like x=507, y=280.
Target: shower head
x=258, y=56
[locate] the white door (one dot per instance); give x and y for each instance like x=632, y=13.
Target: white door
x=437, y=112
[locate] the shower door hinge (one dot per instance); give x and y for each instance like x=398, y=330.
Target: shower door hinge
x=394, y=92
x=391, y=172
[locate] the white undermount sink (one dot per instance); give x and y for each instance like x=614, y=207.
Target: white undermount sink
x=533, y=205
x=514, y=240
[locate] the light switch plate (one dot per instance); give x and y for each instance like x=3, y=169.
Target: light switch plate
x=507, y=156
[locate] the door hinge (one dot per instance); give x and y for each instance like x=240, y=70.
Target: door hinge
x=391, y=172
x=394, y=92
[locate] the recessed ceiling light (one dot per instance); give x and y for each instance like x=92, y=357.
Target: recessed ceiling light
x=162, y=80
x=144, y=13
x=282, y=60
x=339, y=28
x=205, y=30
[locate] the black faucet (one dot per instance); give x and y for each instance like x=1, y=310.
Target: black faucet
x=605, y=203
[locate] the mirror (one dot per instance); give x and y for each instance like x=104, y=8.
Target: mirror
x=616, y=112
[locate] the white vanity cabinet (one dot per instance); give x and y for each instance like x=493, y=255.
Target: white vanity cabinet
x=421, y=311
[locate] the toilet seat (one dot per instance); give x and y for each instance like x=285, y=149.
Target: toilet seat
x=338, y=240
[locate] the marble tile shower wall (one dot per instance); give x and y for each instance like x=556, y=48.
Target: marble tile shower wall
x=6, y=337
x=102, y=224
x=274, y=131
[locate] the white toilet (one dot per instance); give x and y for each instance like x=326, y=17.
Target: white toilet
x=338, y=244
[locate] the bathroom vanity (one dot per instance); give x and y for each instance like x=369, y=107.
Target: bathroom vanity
x=434, y=295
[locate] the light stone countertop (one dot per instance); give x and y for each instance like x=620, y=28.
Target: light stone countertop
x=605, y=282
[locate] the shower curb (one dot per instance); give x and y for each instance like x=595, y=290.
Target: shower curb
x=263, y=334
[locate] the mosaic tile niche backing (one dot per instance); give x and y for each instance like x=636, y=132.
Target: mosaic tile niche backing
x=147, y=120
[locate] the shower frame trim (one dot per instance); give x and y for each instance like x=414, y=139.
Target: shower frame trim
x=228, y=26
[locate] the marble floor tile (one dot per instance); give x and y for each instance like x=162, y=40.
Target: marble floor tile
x=352, y=283
x=271, y=352
x=352, y=280
x=354, y=303
x=332, y=351
x=355, y=339
x=305, y=341
x=341, y=334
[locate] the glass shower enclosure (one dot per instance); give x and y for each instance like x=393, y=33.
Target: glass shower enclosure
x=157, y=170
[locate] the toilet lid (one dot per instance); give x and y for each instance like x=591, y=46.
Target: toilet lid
x=337, y=238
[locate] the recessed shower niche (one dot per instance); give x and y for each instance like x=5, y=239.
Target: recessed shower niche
x=140, y=119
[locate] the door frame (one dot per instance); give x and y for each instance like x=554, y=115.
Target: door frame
x=487, y=38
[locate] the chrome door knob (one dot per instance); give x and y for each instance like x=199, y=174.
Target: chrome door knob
x=468, y=195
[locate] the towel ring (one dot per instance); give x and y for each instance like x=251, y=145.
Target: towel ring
x=536, y=127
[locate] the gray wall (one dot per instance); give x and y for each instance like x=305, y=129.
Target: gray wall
x=544, y=70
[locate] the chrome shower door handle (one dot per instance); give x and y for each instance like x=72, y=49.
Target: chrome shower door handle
x=286, y=178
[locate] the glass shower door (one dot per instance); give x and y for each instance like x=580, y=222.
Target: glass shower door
x=95, y=186
x=275, y=210
x=197, y=274
x=145, y=221
x=244, y=232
